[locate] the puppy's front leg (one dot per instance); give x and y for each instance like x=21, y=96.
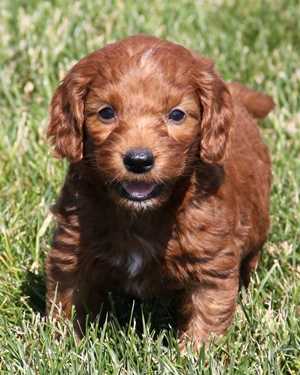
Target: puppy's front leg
x=206, y=310
x=61, y=270
x=91, y=304
x=69, y=287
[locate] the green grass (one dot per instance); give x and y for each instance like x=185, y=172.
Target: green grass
x=255, y=42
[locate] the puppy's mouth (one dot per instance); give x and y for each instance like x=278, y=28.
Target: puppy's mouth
x=139, y=190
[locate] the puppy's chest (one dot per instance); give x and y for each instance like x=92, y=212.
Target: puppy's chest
x=143, y=264
x=135, y=253
x=135, y=263
x=131, y=262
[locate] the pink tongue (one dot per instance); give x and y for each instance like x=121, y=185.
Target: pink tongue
x=138, y=188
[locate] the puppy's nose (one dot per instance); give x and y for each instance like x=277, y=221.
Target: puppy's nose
x=138, y=160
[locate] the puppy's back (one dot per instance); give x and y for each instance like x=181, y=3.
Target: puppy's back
x=256, y=103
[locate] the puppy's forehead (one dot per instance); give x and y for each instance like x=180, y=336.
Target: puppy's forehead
x=159, y=73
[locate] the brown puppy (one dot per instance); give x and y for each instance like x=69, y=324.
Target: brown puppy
x=168, y=187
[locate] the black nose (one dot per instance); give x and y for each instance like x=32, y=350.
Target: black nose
x=138, y=160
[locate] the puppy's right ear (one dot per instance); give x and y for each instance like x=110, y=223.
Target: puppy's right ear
x=65, y=128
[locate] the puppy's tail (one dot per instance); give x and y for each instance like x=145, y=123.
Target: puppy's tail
x=256, y=103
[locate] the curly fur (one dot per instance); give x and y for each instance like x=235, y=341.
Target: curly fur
x=203, y=233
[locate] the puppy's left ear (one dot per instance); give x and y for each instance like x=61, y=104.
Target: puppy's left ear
x=217, y=111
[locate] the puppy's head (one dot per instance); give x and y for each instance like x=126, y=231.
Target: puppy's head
x=140, y=113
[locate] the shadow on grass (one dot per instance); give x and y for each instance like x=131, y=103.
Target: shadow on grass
x=33, y=289
x=158, y=313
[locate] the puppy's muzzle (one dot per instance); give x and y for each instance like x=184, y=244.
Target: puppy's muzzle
x=138, y=160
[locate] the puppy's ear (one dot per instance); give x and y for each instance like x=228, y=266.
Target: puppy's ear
x=217, y=111
x=65, y=128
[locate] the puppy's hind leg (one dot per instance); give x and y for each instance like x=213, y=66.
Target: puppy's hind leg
x=207, y=310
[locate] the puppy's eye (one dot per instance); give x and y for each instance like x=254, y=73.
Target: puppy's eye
x=107, y=114
x=177, y=116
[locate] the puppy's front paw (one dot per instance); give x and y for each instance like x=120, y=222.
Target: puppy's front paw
x=192, y=341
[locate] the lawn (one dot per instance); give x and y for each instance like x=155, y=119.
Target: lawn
x=255, y=42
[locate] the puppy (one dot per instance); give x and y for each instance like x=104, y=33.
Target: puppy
x=167, y=192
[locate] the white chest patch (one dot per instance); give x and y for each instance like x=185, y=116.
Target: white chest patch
x=134, y=261
x=135, y=264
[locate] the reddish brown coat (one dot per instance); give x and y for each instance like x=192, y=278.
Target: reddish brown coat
x=203, y=233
